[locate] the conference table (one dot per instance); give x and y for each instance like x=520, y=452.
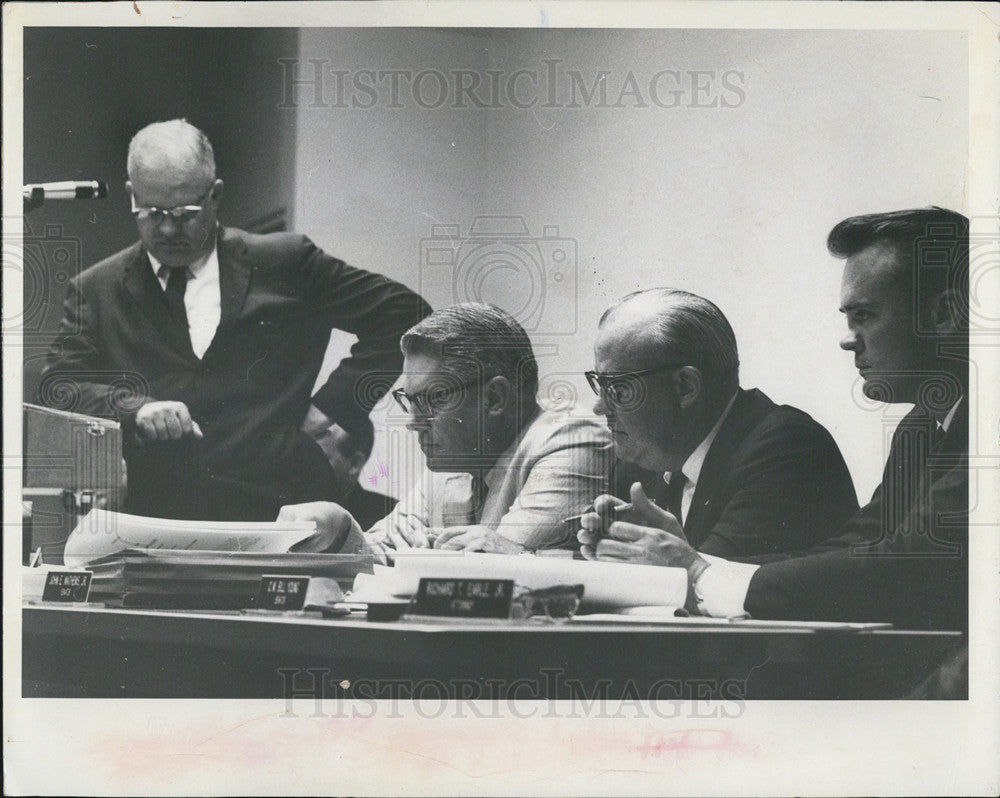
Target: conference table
x=90, y=650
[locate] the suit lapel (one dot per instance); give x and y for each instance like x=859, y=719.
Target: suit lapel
x=234, y=278
x=714, y=469
x=145, y=290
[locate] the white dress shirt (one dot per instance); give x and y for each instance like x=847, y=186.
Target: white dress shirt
x=943, y=425
x=693, y=465
x=202, y=297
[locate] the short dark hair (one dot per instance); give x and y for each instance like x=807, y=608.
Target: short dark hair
x=361, y=436
x=474, y=339
x=931, y=244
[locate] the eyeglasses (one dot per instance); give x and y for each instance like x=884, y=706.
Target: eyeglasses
x=624, y=389
x=181, y=214
x=557, y=603
x=444, y=395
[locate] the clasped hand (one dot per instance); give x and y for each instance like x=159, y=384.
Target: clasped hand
x=653, y=537
x=165, y=421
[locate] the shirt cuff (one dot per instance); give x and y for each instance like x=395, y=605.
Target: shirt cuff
x=721, y=590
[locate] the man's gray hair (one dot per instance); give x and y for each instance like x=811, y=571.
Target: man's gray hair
x=688, y=329
x=165, y=145
x=477, y=340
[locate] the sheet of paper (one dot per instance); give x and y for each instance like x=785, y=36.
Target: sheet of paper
x=102, y=532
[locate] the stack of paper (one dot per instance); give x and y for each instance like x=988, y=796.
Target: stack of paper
x=101, y=533
x=210, y=580
x=607, y=586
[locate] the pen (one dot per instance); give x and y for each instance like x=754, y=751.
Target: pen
x=618, y=509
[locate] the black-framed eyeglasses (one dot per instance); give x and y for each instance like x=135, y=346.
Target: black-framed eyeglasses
x=181, y=214
x=443, y=395
x=624, y=389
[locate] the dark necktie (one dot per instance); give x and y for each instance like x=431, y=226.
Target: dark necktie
x=675, y=494
x=176, y=284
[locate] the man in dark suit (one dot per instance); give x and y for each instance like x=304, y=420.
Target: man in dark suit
x=206, y=342
x=347, y=451
x=737, y=474
x=903, y=558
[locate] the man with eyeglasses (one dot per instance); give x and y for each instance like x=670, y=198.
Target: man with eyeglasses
x=503, y=474
x=732, y=472
x=904, y=556
x=205, y=341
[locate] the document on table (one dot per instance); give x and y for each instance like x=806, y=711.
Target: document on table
x=102, y=532
x=606, y=585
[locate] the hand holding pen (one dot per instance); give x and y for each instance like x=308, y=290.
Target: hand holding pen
x=636, y=532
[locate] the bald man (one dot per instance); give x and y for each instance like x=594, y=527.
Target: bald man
x=206, y=341
x=737, y=474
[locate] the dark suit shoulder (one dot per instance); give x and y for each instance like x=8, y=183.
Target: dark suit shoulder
x=111, y=268
x=761, y=422
x=266, y=247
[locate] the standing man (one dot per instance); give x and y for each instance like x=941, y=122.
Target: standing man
x=903, y=557
x=738, y=474
x=205, y=342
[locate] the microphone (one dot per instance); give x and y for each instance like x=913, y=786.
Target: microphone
x=36, y=194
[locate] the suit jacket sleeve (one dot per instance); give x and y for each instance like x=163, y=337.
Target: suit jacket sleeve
x=570, y=471
x=793, y=489
x=375, y=309
x=914, y=575
x=77, y=378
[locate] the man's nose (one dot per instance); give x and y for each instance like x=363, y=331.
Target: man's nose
x=416, y=422
x=601, y=406
x=168, y=225
x=850, y=342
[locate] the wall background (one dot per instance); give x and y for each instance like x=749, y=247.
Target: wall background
x=730, y=202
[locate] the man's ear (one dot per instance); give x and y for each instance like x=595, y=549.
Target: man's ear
x=944, y=310
x=217, y=188
x=498, y=395
x=688, y=384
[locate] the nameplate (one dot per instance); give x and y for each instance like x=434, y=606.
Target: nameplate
x=67, y=586
x=282, y=593
x=464, y=598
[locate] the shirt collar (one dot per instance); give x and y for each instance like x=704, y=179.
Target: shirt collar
x=693, y=465
x=504, y=460
x=194, y=269
x=951, y=415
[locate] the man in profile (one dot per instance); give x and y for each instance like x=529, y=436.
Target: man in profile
x=902, y=558
x=205, y=342
x=503, y=473
x=737, y=474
